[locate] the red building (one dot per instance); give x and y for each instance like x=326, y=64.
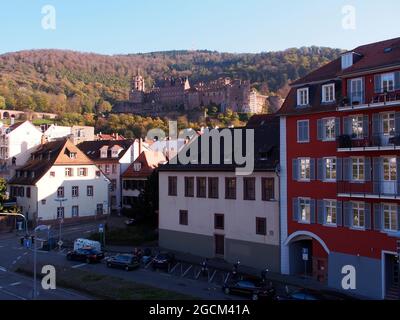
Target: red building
x=340, y=159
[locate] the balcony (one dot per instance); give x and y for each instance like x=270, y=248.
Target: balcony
x=356, y=101
x=370, y=189
x=379, y=141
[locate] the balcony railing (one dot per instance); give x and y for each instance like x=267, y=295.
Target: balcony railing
x=357, y=100
x=373, y=189
x=376, y=140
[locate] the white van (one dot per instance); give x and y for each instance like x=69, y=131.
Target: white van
x=85, y=243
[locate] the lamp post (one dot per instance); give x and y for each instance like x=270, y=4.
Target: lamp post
x=61, y=220
x=38, y=228
x=16, y=214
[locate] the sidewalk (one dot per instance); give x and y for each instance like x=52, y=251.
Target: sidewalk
x=223, y=265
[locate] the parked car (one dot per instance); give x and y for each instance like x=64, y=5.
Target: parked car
x=89, y=255
x=163, y=260
x=254, y=288
x=86, y=243
x=130, y=222
x=124, y=261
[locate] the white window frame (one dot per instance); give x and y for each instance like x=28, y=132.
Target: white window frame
x=389, y=119
x=328, y=93
x=332, y=167
x=391, y=211
x=360, y=162
x=329, y=207
x=308, y=131
x=303, y=97
x=75, y=191
x=303, y=163
x=75, y=214
x=360, y=208
x=355, y=124
x=325, y=122
x=60, y=212
x=390, y=166
x=306, y=202
x=347, y=60
x=386, y=78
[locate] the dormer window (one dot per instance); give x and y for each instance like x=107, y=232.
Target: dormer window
x=137, y=166
x=328, y=93
x=103, y=152
x=115, y=151
x=303, y=97
x=72, y=155
x=347, y=60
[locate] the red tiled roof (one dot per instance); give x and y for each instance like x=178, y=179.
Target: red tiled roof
x=149, y=161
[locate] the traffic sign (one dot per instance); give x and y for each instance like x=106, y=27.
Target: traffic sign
x=305, y=254
x=60, y=243
x=101, y=228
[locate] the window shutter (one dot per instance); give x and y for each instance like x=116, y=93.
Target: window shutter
x=320, y=129
x=349, y=89
x=378, y=83
x=365, y=126
x=312, y=169
x=398, y=218
x=397, y=80
x=339, y=169
x=312, y=211
x=367, y=169
x=367, y=216
x=397, y=123
x=362, y=90
x=346, y=169
x=377, y=173
x=321, y=211
x=295, y=169
x=348, y=207
x=337, y=127
x=339, y=213
x=376, y=127
x=378, y=217
x=306, y=131
x=320, y=169
x=295, y=209
x=398, y=175
x=347, y=125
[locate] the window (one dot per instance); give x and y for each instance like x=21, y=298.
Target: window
x=329, y=129
x=347, y=60
x=28, y=192
x=98, y=173
x=303, y=134
x=103, y=152
x=52, y=174
x=113, y=185
x=328, y=93
x=305, y=169
x=107, y=169
x=213, y=188
x=75, y=191
x=390, y=169
x=99, y=209
x=172, y=186
x=387, y=82
x=390, y=217
x=189, y=187
x=330, y=212
x=114, y=168
x=358, y=215
x=183, y=218
x=60, y=213
x=268, y=189
x=89, y=191
x=249, y=188
x=60, y=192
x=356, y=90
x=230, y=188
x=219, y=221
x=68, y=172
x=82, y=172
x=357, y=127
x=261, y=226
x=72, y=155
x=305, y=210
x=388, y=124
x=358, y=169
x=302, y=97
x=75, y=211
x=201, y=187
x=330, y=169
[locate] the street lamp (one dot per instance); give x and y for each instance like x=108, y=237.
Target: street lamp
x=38, y=228
x=61, y=220
x=15, y=214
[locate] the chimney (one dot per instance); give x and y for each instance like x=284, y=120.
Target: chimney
x=12, y=119
x=43, y=140
x=116, y=136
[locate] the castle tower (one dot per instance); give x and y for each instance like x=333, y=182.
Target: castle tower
x=138, y=89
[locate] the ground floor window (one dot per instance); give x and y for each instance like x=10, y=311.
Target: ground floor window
x=75, y=211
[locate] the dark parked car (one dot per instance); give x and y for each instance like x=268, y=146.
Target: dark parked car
x=130, y=222
x=88, y=255
x=123, y=261
x=163, y=260
x=254, y=288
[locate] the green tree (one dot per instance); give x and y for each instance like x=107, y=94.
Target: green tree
x=104, y=107
x=2, y=102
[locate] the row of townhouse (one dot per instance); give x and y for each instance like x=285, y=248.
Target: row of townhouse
x=337, y=193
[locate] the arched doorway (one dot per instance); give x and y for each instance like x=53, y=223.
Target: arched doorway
x=316, y=266
x=6, y=115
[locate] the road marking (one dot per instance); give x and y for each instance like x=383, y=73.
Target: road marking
x=19, y=258
x=79, y=265
x=212, y=277
x=1, y=247
x=13, y=295
x=25, y=253
x=173, y=269
x=88, y=231
x=188, y=269
x=3, y=269
x=14, y=262
x=15, y=284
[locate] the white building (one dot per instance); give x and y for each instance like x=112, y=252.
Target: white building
x=113, y=158
x=17, y=142
x=209, y=211
x=76, y=134
x=59, y=181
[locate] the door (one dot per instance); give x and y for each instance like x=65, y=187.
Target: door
x=320, y=268
x=219, y=245
x=389, y=174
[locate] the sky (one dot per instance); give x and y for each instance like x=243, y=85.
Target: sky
x=133, y=26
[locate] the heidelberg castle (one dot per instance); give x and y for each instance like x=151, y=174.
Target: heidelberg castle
x=178, y=95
